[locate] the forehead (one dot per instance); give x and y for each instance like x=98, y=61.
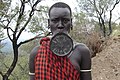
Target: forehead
x=59, y=12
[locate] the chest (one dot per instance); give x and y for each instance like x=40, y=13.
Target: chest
x=75, y=59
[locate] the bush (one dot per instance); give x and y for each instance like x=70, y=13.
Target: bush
x=95, y=43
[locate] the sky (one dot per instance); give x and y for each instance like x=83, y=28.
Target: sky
x=71, y=3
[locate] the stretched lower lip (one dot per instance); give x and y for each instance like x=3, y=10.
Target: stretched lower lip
x=60, y=30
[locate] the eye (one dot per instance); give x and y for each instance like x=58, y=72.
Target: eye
x=55, y=20
x=65, y=20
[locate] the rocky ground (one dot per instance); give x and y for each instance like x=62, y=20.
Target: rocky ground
x=106, y=64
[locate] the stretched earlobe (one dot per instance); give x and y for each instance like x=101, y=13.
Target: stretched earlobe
x=48, y=27
x=71, y=24
x=71, y=27
x=48, y=23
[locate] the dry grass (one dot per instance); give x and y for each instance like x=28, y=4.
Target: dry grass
x=95, y=43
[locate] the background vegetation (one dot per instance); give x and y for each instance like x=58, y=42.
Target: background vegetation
x=92, y=20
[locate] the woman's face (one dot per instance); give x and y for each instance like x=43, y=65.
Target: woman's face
x=60, y=20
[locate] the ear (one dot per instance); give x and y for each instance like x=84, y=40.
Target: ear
x=48, y=23
x=71, y=24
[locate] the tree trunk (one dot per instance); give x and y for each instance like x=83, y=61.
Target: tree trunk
x=110, y=27
x=8, y=73
x=104, y=31
x=5, y=77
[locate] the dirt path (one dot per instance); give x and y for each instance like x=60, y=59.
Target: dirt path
x=106, y=64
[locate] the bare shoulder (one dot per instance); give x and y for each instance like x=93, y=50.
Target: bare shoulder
x=34, y=52
x=84, y=52
x=84, y=61
x=82, y=48
x=81, y=45
x=80, y=56
x=32, y=58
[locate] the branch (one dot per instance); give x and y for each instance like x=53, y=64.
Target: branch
x=96, y=7
x=110, y=28
x=8, y=29
x=5, y=67
x=28, y=40
x=91, y=2
x=1, y=73
x=30, y=16
x=33, y=39
x=9, y=34
x=21, y=67
x=117, y=1
x=24, y=71
x=3, y=39
x=8, y=20
x=117, y=19
x=38, y=10
x=22, y=8
x=102, y=10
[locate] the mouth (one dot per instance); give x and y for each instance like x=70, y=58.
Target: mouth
x=60, y=30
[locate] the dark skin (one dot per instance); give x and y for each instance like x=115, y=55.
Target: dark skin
x=60, y=21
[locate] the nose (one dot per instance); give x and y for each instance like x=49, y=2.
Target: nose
x=60, y=25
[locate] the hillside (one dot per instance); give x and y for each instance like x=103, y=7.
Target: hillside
x=106, y=64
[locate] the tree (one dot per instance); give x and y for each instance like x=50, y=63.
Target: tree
x=100, y=9
x=82, y=26
x=3, y=9
x=29, y=46
x=15, y=21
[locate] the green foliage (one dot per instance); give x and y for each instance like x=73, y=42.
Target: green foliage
x=79, y=18
x=21, y=70
x=116, y=30
x=38, y=24
x=5, y=62
x=1, y=33
x=82, y=26
x=99, y=10
x=88, y=6
x=4, y=6
x=16, y=19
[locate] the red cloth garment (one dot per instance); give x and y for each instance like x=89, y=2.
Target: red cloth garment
x=49, y=66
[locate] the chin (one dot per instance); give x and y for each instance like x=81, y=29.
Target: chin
x=60, y=32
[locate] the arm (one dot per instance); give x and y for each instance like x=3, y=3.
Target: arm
x=85, y=63
x=81, y=59
x=31, y=62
